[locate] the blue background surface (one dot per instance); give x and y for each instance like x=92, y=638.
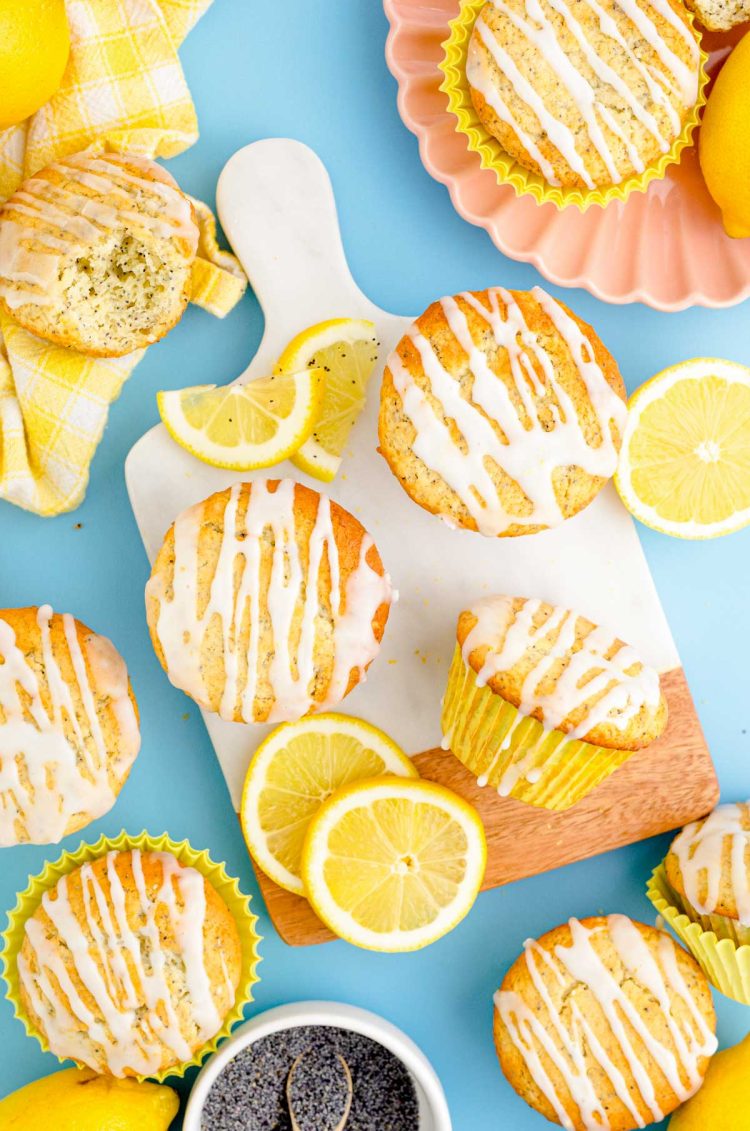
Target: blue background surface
x=314, y=70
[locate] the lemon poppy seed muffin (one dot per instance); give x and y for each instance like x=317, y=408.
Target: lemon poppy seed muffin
x=96, y=253
x=604, y=1023
x=69, y=729
x=130, y=963
x=586, y=93
x=721, y=15
x=543, y=704
x=501, y=412
x=267, y=602
x=708, y=869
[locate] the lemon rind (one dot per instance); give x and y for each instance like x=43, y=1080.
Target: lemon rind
x=337, y=919
x=265, y=860
x=189, y=437
x=646, y=395
x=318, y=462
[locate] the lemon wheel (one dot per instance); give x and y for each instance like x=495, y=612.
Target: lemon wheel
x=294, y=771
x=684, y=467
x=393, y=865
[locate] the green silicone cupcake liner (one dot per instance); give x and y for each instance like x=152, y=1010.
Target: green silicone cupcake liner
x=506, y=168
x=724, y=961
x=541, y=767
x=239, y=905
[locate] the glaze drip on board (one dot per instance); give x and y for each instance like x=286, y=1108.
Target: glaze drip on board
x=557, y=1044
x=713, y=851
x=55, y=763
x=653, y=89
x=496, y=428
x=287, y=601
x=100, y=195
x=124, y=994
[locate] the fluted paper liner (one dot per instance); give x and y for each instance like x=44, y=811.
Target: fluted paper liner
x=239, y=905
x=506, y=168
x=554, y=772
x=723, y=960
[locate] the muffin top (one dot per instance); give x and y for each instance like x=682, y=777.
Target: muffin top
x=68, y=725
x=584, y=92
x=604, y=1023
x=501, y=411
x=267, y=601
x=708, y=863
x=562, y=669
x=96, y=252
x=130, y=963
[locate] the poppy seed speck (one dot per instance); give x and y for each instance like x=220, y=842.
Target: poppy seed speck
x=250, y=1093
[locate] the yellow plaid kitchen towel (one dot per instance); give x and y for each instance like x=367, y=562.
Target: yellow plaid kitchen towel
x=124, y=89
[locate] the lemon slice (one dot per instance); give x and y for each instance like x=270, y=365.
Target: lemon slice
x=348, y=350
x=243, y=427
x=684, y=467
x=294, y=771
x=391, y=864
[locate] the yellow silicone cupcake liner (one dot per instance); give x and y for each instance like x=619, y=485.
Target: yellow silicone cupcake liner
x=725, y=963
x=539, y=766
x=506, y=169
x=216, y=874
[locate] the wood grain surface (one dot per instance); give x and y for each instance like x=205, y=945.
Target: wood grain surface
x=663, y=787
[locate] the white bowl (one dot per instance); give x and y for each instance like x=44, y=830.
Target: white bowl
x=433, y=1108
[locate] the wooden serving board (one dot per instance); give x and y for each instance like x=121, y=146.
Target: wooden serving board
x=653, y=792
x=277, y=208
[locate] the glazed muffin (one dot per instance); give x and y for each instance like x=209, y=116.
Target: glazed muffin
x=68, y=726
x=501, y=412
x=267, y=602
x=604, y=1023
x=543, y=704
x=708, y=869
x=96, y=253
x=585, y=94
x=130, y=964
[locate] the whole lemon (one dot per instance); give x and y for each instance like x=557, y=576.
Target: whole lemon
x=723, y=1103
x=78, y=1099
x=34, y=49
x=724, y=149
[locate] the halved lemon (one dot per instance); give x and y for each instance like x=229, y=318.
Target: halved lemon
x=347, y=349
x=684, y=467
x=391, y=864
x=243, y=427
x=294, y=771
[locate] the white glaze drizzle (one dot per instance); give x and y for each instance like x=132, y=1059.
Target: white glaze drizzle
x=699, y=849
x=120, y=961
x=525, y=451
x=670, y=81
x=45, y=778
x=590, y=673
x=546, y=1035
x=65, y=217
x=354, y=603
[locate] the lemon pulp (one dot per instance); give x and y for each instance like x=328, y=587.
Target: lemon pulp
x=392, y=864
x=685, y=462
x=347, y=350
x=248, y=426
x=294, y=771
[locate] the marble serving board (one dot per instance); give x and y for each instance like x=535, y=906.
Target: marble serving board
x=276, y=205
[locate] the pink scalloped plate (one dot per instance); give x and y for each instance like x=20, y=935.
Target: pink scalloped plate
x=665, y=247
